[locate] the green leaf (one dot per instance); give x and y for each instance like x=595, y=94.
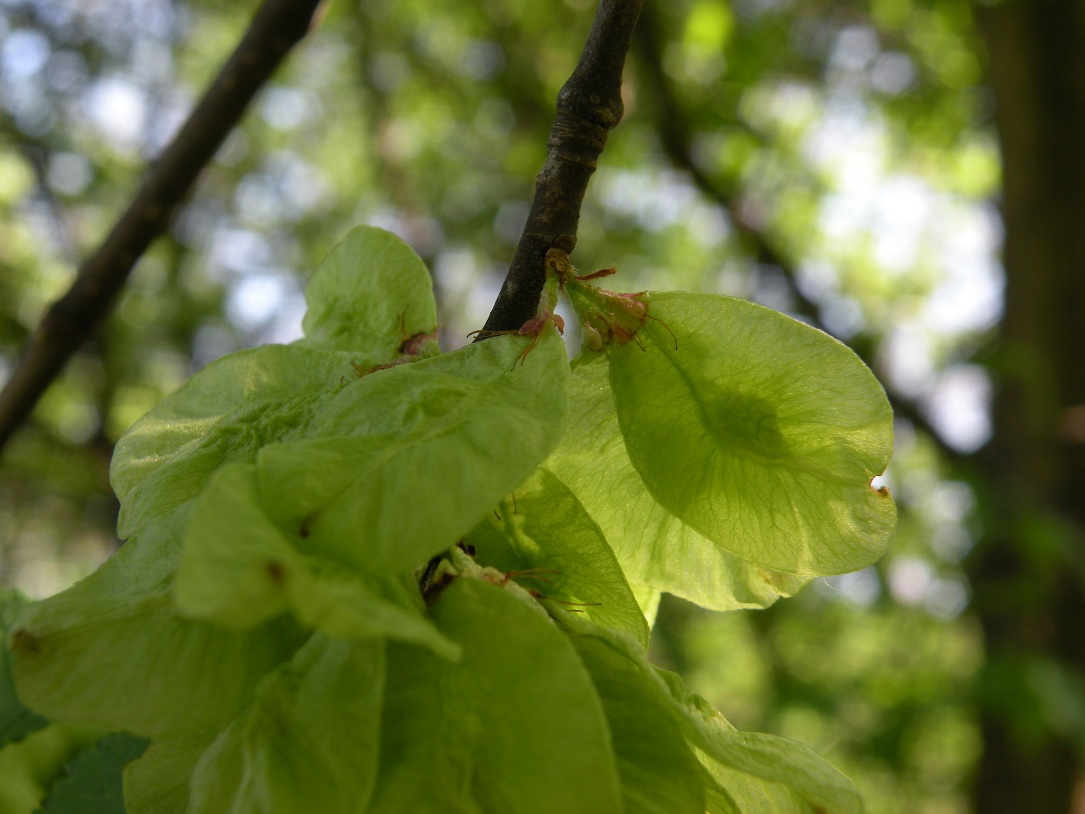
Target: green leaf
x=805, y=778
x=370, y=304
x=758, y=796
x=112, y=651
x=259, y=574
x=515, y=728
x=93, y=782
x=157, y=782
x=226, y=412
x=719, y=801
x=648, y=600
x=440, y=394
x=659, y=773
x=309, y=742
x=16, y=720
x=655, y=548
x=240, y=583
x=371, y=294
x=339, y=603
x=758, y=431
x=448, y=437
x=546, y=540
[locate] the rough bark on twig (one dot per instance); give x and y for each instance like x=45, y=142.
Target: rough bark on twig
x=275, y=29
x=589, y=106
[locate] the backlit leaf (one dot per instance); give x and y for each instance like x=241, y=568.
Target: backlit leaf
x=112, y=650
x=371, y=294
x=309, y=742
x=515, y=728
x=226, y=412
x=655, y=548
x=370, y=305
x=429, y=459
x=239, y=569
x=758, y=431
x=772, y=766
x=794, y=771
x=659, y=772
x=543, y=537
x=158, y=781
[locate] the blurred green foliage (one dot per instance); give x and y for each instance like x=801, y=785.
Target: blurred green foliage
x=853, y=138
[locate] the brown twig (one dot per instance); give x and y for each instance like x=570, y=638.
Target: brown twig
x=276, y=28
x=589, y=106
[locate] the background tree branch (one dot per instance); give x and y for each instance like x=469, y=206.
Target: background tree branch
x=276, y=28
x=589, y=107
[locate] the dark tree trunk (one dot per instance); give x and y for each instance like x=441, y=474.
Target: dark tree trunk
x=1029, y=570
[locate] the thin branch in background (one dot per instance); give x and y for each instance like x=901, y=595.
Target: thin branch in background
x=589, y=107
x=276, y=28
x=673, y=131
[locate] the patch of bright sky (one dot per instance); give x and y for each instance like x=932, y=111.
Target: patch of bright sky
x=914, y=581
x=68, y=173
x=255, y=299
x=969, y=296
x=238, y=251
x=911, y=581
x=262, y=299
x=859, y=588
x=288, y=108
x=908, y=221
x=659, y=199
x=119, y=109
x=466, y=293
x=284, y=189
x=948, y=505
x=959, y=405
x=22, y=54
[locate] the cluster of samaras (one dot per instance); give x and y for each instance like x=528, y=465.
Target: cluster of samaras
x=605, y=316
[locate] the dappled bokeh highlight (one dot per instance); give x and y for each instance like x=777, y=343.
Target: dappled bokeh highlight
x=837, y=163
